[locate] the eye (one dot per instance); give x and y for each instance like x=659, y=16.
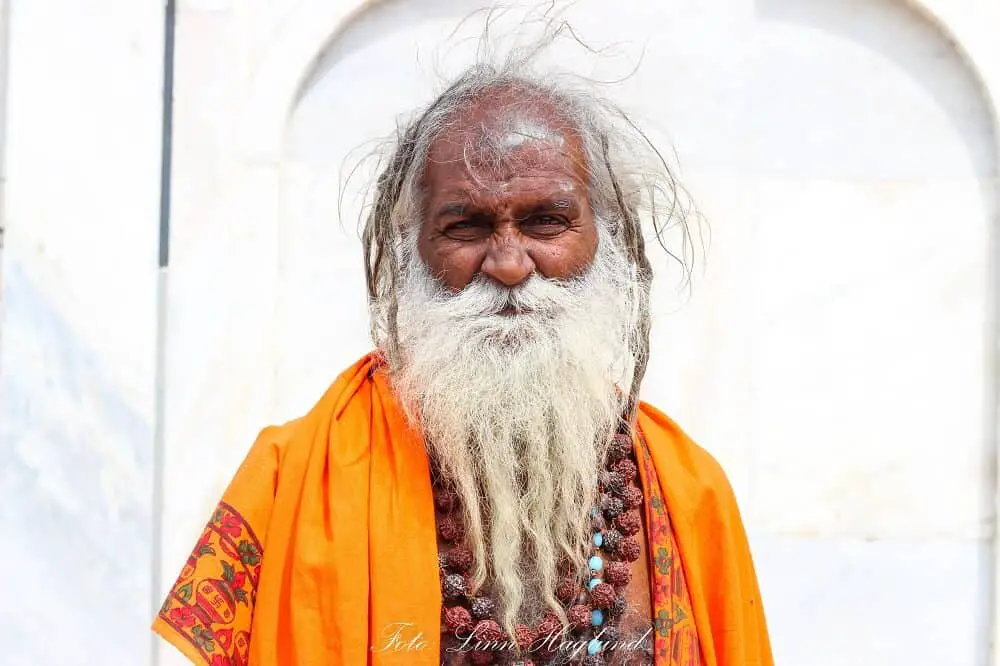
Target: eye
x=545, y=226
x=468, y=229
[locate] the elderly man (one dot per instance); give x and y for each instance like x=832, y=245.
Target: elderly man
x=486, y=488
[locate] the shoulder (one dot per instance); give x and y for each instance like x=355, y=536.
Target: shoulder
x=689, y=469
x=713, y=543
x=344, y=405
x=662, y=432
x=273, y=440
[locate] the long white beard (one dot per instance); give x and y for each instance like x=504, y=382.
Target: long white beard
x=518, y=411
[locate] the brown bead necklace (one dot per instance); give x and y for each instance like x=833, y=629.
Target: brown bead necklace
x=593, y=607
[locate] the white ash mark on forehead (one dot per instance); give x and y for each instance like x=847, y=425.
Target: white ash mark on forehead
x=523, y=131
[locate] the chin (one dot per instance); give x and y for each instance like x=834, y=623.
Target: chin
x=511, y=330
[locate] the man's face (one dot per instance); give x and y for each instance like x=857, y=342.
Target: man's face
x=506, y=217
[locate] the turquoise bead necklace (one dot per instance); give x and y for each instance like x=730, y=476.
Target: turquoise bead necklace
x=593, y=608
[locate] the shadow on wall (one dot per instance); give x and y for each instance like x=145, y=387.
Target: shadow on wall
x=77, y=466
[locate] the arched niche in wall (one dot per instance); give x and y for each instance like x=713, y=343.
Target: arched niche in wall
x=832, y=353
x=870, y=391
x=875, y=264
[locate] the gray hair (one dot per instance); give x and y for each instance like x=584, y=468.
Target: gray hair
x=630, y=183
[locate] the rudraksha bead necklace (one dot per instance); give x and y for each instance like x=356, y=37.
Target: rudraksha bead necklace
x=593, y=609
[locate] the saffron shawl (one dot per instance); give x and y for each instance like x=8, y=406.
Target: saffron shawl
x=283, y=557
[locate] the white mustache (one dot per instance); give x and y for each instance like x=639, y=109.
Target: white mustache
x=484, y=297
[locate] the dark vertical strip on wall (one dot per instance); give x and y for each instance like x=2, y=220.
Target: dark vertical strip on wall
x=167, y=129
x=4, y=50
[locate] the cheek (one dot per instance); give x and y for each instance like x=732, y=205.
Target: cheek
x=454, y=264
x=569, y=256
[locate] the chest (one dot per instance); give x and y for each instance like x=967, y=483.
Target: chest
x=634, y=626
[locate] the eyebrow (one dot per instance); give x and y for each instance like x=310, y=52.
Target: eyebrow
x=546, y=204
x=452, y=208
x=455, y=208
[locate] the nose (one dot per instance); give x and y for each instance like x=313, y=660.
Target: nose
x=507, y=262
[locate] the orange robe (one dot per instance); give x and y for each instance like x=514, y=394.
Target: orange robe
x=340, y=502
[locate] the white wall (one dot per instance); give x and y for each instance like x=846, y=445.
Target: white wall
x=833, y=355
x=78, y=330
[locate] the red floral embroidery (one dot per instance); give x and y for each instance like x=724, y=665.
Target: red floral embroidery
x=183, y=616
x=211, y=604
x=231, y=526
x=239, y=578
x=224, y=637
x=204, y=545
x=675, y=637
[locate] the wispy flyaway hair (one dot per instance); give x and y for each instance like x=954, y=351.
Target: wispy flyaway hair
x=631, y=185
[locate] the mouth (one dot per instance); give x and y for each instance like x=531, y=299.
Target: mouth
x=513, y=310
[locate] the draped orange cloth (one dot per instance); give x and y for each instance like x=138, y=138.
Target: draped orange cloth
x=323, y=546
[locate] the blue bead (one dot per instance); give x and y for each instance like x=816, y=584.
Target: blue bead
x=596, y=563
x=598, y=539
x=593, y=512
x=597, y=617
x=594, y=582
x=594, y=646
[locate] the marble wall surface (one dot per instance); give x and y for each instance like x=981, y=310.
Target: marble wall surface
x=78, y=331
x=834, y=354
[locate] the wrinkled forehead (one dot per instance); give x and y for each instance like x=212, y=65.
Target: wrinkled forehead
x=505, y=132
